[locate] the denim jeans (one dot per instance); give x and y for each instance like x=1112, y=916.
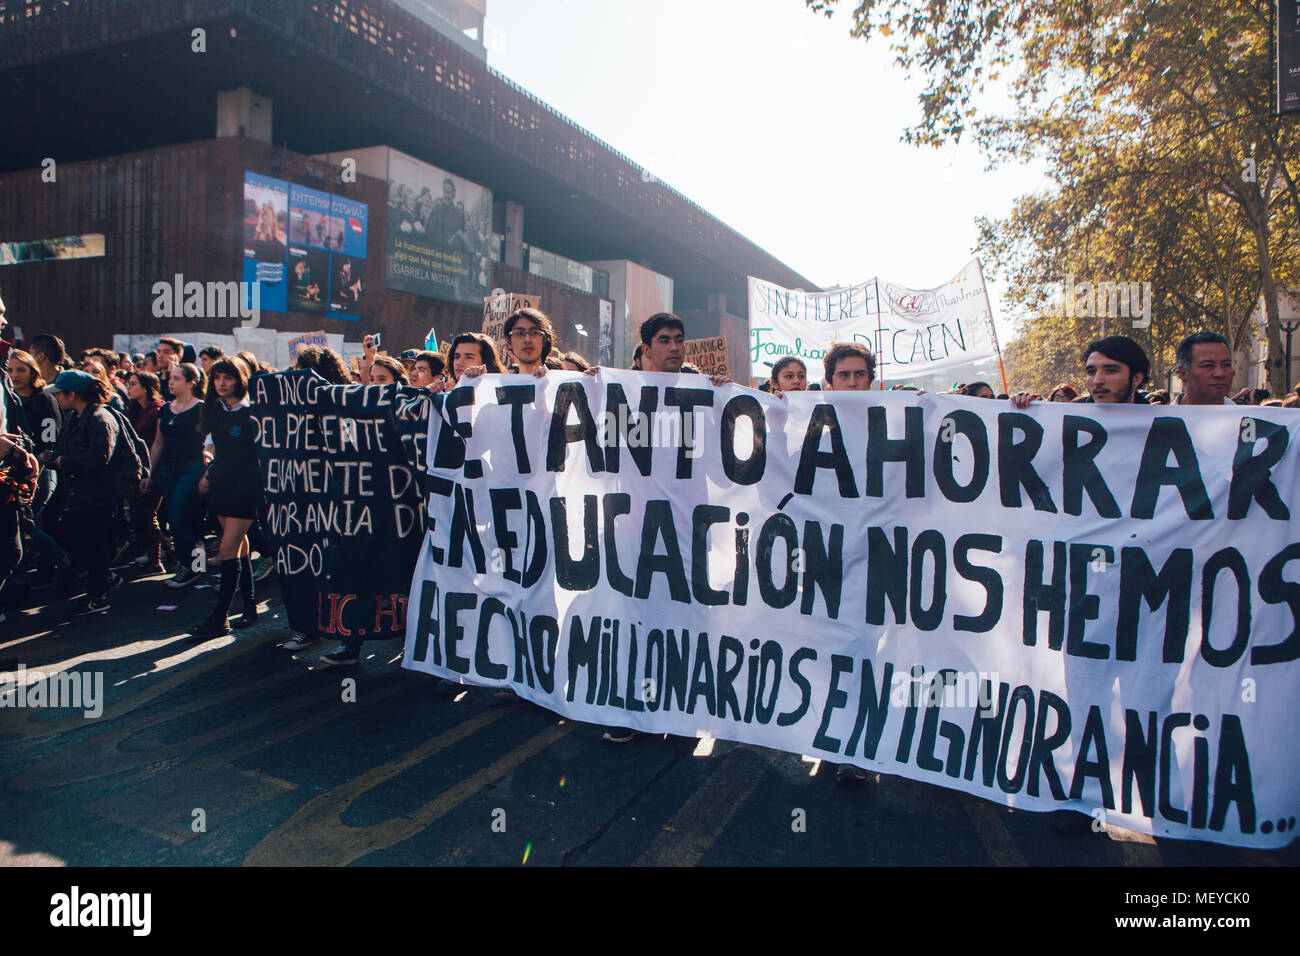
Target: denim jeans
x=180, y=489
x=41, y=542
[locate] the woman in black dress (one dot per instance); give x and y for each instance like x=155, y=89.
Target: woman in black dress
x=234, y=489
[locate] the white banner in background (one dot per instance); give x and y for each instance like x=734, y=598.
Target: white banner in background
x=1072, y=608
x=911, y=331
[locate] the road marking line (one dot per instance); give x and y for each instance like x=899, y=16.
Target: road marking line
x=45, y=728
x=992, y=832
x=372, y=696
x=101, y=755
x=692, y=831
x=316, y=835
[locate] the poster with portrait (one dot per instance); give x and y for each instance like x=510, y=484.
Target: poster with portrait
x=265, y=234
x=309, y=217
x=439, y=232
x=309, y=280
x=1287, y=56
x=605, y=347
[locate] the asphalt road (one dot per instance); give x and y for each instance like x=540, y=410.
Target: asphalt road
x=234, y=752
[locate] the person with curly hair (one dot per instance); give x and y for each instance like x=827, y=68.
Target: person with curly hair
x=1065, y=392
x=325, y=362
x=471, y=350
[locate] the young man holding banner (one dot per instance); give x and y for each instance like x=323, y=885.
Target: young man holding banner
x=530, y=335
x=1205, y=366
x=1115, y=368
x=662, y=349
x=531, y=339
x=850, y=367
x=663, y=343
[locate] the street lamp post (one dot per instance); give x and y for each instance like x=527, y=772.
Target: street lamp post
x=1288, y=328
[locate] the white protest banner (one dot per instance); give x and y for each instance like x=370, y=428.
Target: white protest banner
x=911, y=331
x=261, y=342
x=806, y=324
x=225, y=342
x=146, y=343
x=928, y=330
x=1088, y=608
x=135, y=344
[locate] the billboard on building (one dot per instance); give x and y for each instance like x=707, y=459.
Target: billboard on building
x=1288, y=56
x=266, y=238
x=88, y=246
x=307, y=248
x=439, y=232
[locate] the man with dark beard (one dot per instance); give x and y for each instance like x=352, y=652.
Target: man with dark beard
x=1115, y=368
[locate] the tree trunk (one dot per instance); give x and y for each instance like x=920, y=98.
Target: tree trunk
x=1273, y=326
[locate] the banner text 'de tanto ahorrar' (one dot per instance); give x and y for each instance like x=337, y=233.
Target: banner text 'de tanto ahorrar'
x=1067, y=608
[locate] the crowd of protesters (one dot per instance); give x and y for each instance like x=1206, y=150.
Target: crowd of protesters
x=114, y=463
x=120, y=465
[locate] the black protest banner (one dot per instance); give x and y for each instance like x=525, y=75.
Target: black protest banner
x=342, y=469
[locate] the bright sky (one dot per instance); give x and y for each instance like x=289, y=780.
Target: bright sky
x=773, y=119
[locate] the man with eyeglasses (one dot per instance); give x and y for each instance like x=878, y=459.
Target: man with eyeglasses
x=531, y=339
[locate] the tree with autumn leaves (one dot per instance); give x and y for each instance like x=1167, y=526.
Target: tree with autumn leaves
x=1168, y=164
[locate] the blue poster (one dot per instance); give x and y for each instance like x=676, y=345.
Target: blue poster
x=348, y=278
x=309, y=217
x=265, y=233
x=305, y=247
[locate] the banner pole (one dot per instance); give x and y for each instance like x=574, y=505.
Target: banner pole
x=880, y=327
x=992, y=326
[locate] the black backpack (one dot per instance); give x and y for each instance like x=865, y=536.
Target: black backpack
x=129, y=463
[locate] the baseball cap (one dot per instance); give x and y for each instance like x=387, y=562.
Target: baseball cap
x=72, y=380
x=409, y=355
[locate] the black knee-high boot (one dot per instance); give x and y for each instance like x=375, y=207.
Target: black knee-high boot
x=249, y=617
x=216, y=624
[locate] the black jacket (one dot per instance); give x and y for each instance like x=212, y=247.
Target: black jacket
x=84, y=451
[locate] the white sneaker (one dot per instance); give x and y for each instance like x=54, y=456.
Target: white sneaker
x=299, y=641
